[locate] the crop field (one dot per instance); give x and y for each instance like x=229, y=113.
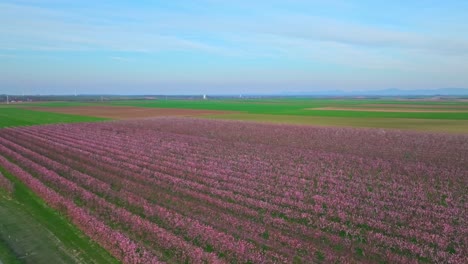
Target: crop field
x=191, y=190
x=237, y=132
x=128, y=112
x=450, y=116
x=13, y=116
x=363, y=108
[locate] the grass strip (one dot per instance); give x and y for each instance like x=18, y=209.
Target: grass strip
x=54, y=236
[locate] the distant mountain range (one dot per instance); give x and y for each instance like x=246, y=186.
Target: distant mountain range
x=388, y=92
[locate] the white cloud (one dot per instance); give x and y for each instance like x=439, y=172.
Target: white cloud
x=154, y=30
x=254, y=29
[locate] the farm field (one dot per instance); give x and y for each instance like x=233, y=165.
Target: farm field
x=191, y=190
x=425, y=125
x=449, y=116
x=237, y=132
x=128, y=112
x=303, y=107
x=14, y=116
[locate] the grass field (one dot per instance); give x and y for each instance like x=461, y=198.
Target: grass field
x=14, y=116
x=429, y=125
x=32, y=232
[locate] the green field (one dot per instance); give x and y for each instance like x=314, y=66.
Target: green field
x=428, y=125
x=297, y=111
x=32, y=232
x=298, y=107
x=438, y=116
x=15, y=116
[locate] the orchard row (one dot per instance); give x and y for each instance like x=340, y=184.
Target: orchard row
x=198, y=191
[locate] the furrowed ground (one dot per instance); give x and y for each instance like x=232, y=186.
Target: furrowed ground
x=193, y=190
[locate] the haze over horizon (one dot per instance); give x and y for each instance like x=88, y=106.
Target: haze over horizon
x=221, y=47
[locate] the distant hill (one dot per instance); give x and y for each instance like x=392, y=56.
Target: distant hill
x=427, y=92
x=388, y=92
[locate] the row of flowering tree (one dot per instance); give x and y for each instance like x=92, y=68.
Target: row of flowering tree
x=198, y=191
x=6, y=185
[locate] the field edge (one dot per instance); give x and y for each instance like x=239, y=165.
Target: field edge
x=75, y=242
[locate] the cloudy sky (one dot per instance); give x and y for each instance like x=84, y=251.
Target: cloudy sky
x=231, y=47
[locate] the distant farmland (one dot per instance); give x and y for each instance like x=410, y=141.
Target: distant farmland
x=449, y=116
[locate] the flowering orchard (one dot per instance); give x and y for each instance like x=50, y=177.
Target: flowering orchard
x=198, y=191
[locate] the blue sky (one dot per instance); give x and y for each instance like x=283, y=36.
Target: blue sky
x=231, y=47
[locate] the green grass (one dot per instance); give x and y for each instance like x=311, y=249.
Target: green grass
x=32, y=232
x=11, y=117
x=59, y=104
x=433, y=125
x=7, y=255
x=369, y=114
x=298, y=107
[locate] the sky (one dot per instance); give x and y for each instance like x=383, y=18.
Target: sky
x=231, y=47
